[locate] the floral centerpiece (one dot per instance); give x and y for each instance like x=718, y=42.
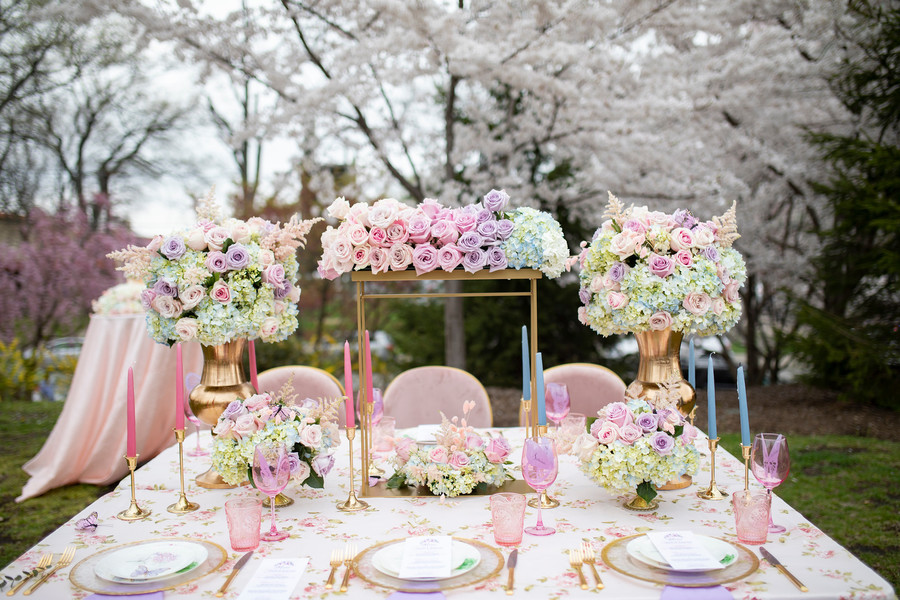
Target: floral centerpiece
x=648, y=270
x=220, y=280
x=461, y=461
x=392, y=236
x=308, y=428
x=635, y=446
x=121, y=299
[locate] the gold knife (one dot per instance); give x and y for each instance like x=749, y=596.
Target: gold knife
x=511, y=567
x=234, y=571
x=777, y=564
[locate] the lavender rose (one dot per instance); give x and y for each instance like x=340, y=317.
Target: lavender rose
x=470, y=240
x=488, y=230
x=164, y=287
x=233, y=410
x=322, y=464
x=216, y=262
x=711, y=253
x=618, y=271
x=648, y=422
x=449, y=257
x=662, y=443
x=496, y=200
x=504, y=229
x=496, y=259
x=661, y=266
x=237, y=256
x=424, y=258
x=173, y=248
x=474, y=260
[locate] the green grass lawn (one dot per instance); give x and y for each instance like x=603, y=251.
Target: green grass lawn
x=844, y=485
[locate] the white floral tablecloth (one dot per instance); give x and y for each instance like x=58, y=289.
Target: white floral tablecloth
x=587, y=513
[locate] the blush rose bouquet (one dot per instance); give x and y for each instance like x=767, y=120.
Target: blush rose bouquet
x=461, y=461
x=220, y=280
x=648, y=270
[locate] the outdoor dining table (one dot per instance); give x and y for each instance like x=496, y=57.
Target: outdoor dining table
x=587, y=513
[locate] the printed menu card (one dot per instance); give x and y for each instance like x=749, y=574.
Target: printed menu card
x=426, y=557
x=683, y=551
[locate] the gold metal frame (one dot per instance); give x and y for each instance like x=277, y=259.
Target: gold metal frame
x=362, y=277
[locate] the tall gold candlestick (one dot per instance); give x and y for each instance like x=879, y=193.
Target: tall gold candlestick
x=183, y=505
x=543, y=500
x=352, y=503
x=526, y=407
x=133, y=512
x=712, y=492
x=745, y=452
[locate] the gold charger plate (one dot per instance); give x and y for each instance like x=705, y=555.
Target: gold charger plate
x=490, y=565
x=615, y=555
x=83, y=576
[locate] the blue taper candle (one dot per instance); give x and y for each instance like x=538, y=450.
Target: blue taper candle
x=539, y=375
x=692, y=371
x=742, y=406
x=711, y=396
x=526, y=366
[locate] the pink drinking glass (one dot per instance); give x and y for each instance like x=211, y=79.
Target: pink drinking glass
x=271, y=471
x=557, y=402
x=191, y=380
x=770, y=462
x=540, y=466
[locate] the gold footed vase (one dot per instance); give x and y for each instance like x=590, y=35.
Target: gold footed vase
x=222, y=382
x=660, y=363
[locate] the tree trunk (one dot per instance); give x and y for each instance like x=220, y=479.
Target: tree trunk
x=454, y=328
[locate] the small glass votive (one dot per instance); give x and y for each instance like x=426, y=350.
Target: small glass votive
x=508, y=518
x=751, y=515
x=383, y=434
x=574, y=424
x=243, y=516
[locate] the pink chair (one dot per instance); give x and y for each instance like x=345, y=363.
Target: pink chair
x=591, y=387
x=309, y=382
x=418, y=396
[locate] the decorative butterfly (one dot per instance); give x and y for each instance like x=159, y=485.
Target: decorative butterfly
x=88, y=523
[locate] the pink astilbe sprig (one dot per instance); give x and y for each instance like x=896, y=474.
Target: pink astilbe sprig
x=285, y=240
x=135, y=261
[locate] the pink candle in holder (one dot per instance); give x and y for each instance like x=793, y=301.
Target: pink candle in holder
x=131, y=436
x=179, y=389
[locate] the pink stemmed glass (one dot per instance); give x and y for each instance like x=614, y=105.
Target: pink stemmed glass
x=271, y=471
x=557, y=402
x=191, y=380
x=770, y=462
x=539, y=468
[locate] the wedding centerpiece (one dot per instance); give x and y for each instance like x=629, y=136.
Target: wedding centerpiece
x=390, y=235
x=121, y=299
x=308, y=428
x=461, y=460
x=636, y=446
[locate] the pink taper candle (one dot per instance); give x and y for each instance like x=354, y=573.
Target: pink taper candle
x=370, y=395
x=348, y=385
x=131, y=440
x=179, y=389
x=253, y=379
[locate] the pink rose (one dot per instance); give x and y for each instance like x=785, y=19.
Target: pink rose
x=449, y=257
x=431, y=207
x=438, y=455
x=383, y=213
x=274, y=274
x=339, y=209
x=216, y=262
x=458, y=460
x=359, y=213
x=191, y=296
x=293, y=294
x=635, y=225
x=300, y=471
x=419, y=228
x=256, y=402
x=357, y=234
x=378, y=258
x=215, y=238
x=583, y=315
x=156, y=243
x=684, y=258
x=661, y=266
x=166, y=306
x=616, y=300
x=598, y=283
x=465, y=221
x=731, y=292
x=718, y=306
x=397, y=233
x=400, y=256
x=424, y=258
x=342, y=247
x=403, y=447
x=360, y=256
x=446, y=232
x=220, y=292
x=584, y=446
x=474, y=441
x=608, y=433
x=688, y=434
x=660, y=320
x=703, y=236
x=244, y=425
x=378, y=237
x=497, y=449
x=187, y=328
x=697, y=303
x=618, y=413
x=269, y=327
x=681, y=239
x=223, y=428
x=630, y=433
x=624, y=244
x=266, y=257
x=311, y=436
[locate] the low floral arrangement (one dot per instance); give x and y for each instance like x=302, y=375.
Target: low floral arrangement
x=461, y=461
x=220, y=280
x=121, y=299
x=634, y=446
x=392, y=236
x=647, y=270
x=308, y=428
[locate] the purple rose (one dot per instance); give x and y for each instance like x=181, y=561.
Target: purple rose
x=233, y=410
x=164, y=287
x=484, y=215
x=147, y=297
x=173, y=248
x=648, y=422
x=662, y=443
x=661, y=266
x=496, y=200
x=273, y=274
x=469, y=241
x=237, y=256
x=281, y=292
x=293, y=461
x=504, y=229
x=488, y=230
x=425, y=258
x=618, y=271
x=496, y=258
x=684, y=218
x=584, y=294
x=216, y=262
x=322, y=464
x=711, y=253
x=474, y=260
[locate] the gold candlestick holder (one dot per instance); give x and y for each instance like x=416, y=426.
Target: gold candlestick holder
x=745, y=452
x=133, y=512
x=183, y=505
x=712, y=492
x=352, y=503
x=543, y=500
x=526, y=407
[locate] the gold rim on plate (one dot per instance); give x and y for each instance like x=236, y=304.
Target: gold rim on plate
x=615, y=555
x=83, y=576
x=490, y=565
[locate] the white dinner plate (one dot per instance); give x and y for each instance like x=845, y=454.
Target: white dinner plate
x=151, y=562
x=463, y=557
x=642, y=549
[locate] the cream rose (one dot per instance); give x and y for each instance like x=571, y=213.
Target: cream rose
x=311, y=436
x=191, y=296
x=166, y=306
x=195, y=240
x=339, y=209
x=616, y=300
x=187, y=328
x=660, y=320
x=269, y=327
x=681, y=239
x=697, y=303
x=220, y=292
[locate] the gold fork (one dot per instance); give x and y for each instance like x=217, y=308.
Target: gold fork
x=63, y=561
x=575, y=561
x=590, y=559
x=335, y=562
x=45, y=561
x=348, y=559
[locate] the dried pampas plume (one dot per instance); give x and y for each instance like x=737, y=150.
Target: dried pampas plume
x=727, y=226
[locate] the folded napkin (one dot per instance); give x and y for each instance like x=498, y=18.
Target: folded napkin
x=704, y=593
